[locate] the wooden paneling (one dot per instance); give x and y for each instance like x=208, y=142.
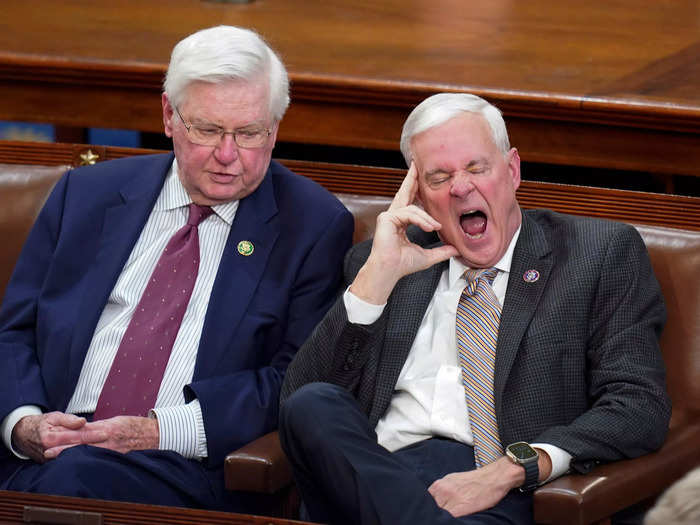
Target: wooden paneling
x=19, y=507
x=612, y=84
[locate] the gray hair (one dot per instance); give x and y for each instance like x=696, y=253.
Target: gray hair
x=224, y=53
x=440, y=108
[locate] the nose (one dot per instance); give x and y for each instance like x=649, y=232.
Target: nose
x=462, y=184
x=227, y=150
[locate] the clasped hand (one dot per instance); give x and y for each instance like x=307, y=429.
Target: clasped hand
x=393, y=255
x=43, y=437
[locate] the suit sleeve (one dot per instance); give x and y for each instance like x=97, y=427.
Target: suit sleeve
x=20, y=373
x=629, y=407
x=338, y=350
x=249, y=407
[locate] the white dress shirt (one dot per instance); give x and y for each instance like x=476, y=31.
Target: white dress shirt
x=181, y=425
x=429, y=398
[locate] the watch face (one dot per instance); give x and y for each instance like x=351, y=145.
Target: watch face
x=522, y=450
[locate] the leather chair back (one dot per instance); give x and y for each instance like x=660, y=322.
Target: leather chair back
x=24, y=189
x=675, y=255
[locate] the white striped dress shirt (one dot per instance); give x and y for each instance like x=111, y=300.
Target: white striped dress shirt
x=181, y=424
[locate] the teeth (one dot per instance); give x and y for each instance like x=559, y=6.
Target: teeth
x=477, y=236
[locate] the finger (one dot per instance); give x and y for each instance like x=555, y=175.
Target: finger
x=93, y=435
x=436, y=493
x=70, y=421
x=53, y=452
x=413, y=215
x=407, y=190
x=439, y=254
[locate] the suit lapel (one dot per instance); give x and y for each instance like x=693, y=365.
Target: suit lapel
x=238, y=275
x=532, y=252
x=407, y=307
x=121, y=226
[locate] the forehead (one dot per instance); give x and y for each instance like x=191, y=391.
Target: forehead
x=462, y=139
x=233, y=102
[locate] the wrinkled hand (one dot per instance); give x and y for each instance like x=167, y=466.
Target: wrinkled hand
x=393, y=255
x=463, y=493
x=120, y=433
x=34, y=436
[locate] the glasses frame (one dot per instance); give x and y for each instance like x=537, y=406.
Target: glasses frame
x=234, y=133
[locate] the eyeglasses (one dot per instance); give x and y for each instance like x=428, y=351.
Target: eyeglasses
x=211, y=135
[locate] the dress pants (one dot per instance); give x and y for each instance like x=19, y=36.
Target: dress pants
x=157, y=477
x=346, y=477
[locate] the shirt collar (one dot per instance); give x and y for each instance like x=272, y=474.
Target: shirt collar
x=174, y=195
x=457, y=267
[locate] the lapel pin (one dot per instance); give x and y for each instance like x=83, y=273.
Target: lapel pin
x=531, y=276
x=246, y=248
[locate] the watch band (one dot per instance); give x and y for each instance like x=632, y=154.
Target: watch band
x=532, y=474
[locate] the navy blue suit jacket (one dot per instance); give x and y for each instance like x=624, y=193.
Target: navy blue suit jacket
x=261, y=309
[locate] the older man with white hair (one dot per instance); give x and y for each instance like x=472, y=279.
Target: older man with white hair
x=158, y=300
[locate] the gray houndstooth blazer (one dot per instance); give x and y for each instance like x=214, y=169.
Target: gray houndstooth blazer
x=578, y=363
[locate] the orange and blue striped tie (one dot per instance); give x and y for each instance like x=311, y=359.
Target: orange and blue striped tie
x=478, y=317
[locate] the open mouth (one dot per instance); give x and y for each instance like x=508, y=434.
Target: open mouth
x=473, y=224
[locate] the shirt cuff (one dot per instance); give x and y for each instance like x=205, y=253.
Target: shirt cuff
x=8, y=425
x=359, y=311
x=181, y=429
x=561, y=460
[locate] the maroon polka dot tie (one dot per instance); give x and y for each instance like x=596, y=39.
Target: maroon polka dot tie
x=134, y=379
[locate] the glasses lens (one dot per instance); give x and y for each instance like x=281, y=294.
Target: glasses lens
x=205, y=135
x=251, y=138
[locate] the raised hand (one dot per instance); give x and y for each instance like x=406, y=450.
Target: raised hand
x=393, y=255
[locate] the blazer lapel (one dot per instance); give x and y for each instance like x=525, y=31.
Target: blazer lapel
x=238, y=275
x=407, y=307
x=532, y=252
x=121, y=226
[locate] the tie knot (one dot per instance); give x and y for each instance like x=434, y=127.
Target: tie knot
x=474, y=276
x=198, y=214
x=478, y=273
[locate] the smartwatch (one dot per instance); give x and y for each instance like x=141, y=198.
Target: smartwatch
x=523, y=454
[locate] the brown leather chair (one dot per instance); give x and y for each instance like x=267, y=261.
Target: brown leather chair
x=574, y=499
x=24, y=189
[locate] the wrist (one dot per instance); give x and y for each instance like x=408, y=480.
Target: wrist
x=512, y=474
x=373, y=284
x=521, y=454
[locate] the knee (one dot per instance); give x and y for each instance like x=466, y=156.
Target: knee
x=303, y=411
x=66, y=475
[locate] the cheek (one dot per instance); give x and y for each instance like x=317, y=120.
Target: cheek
x=254, y=164
x=437, y=203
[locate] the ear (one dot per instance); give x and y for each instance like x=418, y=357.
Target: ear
x=273, y=132
x=168, y=113
x=514, y=167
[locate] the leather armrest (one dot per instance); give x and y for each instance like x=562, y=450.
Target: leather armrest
x=585, y=498
x=260, y=466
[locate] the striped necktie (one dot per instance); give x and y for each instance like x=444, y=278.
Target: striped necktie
x=478, y=317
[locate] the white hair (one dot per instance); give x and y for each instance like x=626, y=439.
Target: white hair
x=224, y=53
x=440, y=108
